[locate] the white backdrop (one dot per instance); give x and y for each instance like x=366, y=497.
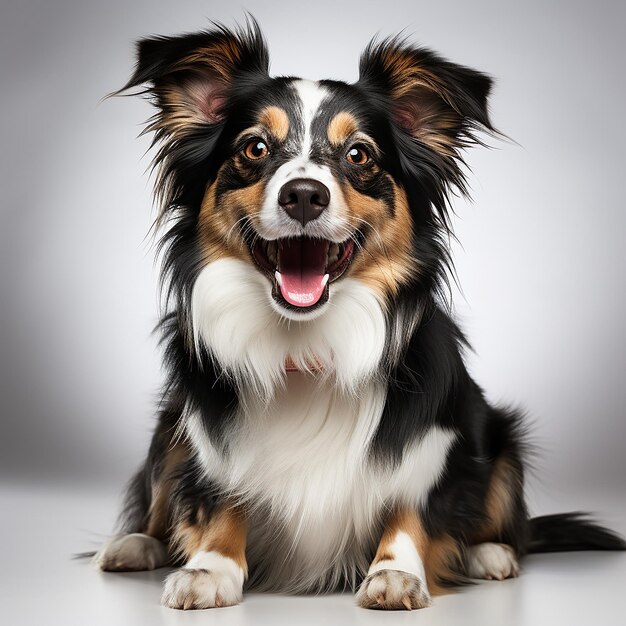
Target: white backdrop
x=541, y=260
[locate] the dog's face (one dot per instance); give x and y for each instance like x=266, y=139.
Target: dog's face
x=310, y=182
x=306, y=188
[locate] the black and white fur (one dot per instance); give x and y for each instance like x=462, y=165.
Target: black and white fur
x=388, y=417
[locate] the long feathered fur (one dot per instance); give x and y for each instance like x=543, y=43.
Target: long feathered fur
x=424, y=430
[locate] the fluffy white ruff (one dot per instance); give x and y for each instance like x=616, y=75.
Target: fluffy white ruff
x=233, y=313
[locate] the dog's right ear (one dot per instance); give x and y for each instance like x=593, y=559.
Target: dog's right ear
x=189, y=77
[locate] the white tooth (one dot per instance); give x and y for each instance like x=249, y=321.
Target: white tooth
x=279, y=278
x=324, y=280
x=333, y=253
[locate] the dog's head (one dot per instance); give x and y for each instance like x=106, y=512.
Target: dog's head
x=310, y=182
x=317, y=201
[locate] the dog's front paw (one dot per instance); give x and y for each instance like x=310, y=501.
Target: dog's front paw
x=200, y=589
x=392, y=589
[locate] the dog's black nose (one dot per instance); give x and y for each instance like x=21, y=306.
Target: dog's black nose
x=304, y=199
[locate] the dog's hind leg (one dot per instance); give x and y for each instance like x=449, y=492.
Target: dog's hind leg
x=142, y=545
x=491, y=561
x=502, y=538
x=131, y=553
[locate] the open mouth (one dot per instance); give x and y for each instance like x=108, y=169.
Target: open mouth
x=302, y=267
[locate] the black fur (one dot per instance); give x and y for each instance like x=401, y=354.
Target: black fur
x=565, y=532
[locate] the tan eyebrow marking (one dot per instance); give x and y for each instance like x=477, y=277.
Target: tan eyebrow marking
x=276, y=121
x=341, y=127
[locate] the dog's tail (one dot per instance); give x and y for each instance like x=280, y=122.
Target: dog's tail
x=566, y=532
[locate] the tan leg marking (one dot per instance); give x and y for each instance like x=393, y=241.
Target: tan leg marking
x=443, y=564
x=158, y=515
x=410, y=566
x=441, y=556
x=404, y=521
x=504, y=485
x=224, y=532
x=216, y=567
x=396, y=578
x=488, y=558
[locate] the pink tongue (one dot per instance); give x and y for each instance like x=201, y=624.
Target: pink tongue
x=302, y=267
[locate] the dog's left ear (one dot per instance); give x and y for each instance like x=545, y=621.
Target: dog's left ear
x=190, y=77
x=435, y=101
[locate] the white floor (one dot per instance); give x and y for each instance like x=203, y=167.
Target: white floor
x=41, y=527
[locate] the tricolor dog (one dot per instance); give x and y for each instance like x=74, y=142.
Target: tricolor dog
x=319, y=429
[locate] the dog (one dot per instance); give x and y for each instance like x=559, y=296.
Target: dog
x=318, y=428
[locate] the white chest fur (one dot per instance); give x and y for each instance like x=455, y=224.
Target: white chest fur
x=234, y=316
x=298, y=451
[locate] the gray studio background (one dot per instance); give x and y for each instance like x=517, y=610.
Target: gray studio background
x=541, y=261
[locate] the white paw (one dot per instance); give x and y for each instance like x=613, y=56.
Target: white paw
x=200, y=589
x=392, y=589
x=131, y=553
x=491, y=561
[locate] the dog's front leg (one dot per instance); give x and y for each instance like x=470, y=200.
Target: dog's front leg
x=396, y=578
x=213, y=548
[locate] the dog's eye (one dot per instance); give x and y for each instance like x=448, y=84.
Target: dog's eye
x=256, y=149
x=357, y=155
